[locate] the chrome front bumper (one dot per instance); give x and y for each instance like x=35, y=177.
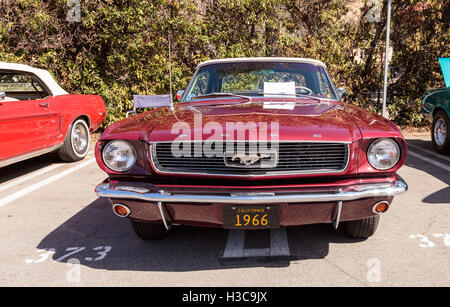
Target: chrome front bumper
x=347, y=193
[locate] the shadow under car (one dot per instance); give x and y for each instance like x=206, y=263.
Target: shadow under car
x=111, y=241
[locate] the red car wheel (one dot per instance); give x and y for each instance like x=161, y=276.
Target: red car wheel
x=76, y=144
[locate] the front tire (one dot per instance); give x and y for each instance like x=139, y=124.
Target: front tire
x=362, y=229
x=149, y=231
x=76, y=143
x=440, y=132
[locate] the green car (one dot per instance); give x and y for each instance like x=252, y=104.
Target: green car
x=436, y=104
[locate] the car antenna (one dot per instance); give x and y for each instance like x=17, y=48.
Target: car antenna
x=170, y=75
x=170, y=82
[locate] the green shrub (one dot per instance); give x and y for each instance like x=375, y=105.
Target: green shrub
x=120, y=48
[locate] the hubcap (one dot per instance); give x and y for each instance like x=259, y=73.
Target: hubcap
x=440, y=132
x=80, y=139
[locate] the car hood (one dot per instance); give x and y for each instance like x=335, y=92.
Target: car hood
x=287, y=119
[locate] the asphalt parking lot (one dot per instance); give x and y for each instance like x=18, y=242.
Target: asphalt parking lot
x=56, y=232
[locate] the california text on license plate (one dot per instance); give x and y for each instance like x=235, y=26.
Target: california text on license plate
x=251, y=217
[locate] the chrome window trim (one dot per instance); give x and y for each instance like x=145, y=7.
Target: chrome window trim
x=332, y=86
x=249, y=60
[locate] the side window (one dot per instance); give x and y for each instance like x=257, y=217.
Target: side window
x=21, y=86
x=201, y=85
x=325, y=86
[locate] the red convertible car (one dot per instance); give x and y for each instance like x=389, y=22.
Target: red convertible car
x=254, y=143
x=37, y=116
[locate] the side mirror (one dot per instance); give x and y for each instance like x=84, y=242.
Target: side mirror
x=179, y=95
x=341, y=92
x=2, y=95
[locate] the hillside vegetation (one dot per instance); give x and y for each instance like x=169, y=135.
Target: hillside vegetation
x=120, y=48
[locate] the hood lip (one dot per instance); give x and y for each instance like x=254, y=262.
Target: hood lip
x=285, y=141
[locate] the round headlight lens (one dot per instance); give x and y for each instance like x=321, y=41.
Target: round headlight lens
x=119, y=155
x=383, y=154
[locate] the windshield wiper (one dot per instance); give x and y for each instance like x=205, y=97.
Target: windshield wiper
x=223, y=94
x=249, y=98
x=307, y=96
x=296, y=95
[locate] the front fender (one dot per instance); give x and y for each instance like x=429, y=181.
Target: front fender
x=436, y=99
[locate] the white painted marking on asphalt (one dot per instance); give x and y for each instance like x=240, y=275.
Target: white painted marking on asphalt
x=6, y=200
x=29, y=176
x=44, y=254
x=435, y=163
x=430, y=152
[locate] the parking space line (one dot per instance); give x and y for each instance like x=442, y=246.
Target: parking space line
x=10, y=198
x=430, y=152
x=29, y=176
x=435, y=163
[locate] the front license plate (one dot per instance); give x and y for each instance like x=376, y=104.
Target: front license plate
x=251, y=217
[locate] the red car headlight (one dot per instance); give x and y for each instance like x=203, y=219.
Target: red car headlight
x=119, y=155
x=383, y=154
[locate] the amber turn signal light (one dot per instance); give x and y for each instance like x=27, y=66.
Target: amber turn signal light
x=380, y=207
x=121, y=210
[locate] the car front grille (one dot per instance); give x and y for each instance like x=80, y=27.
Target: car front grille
x=291, y=158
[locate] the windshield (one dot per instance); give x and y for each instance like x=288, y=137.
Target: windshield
x=260, y=78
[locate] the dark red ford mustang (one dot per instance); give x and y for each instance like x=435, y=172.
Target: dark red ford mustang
x=254, y=143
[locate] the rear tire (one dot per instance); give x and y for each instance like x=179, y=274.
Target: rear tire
x=362, y=229
x=440, y=132
x=149, y=231
x=76, y=143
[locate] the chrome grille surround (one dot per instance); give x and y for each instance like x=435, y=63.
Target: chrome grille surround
x=294, y=157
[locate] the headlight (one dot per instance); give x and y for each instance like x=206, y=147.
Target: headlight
x=383, y=154
x=119, y=155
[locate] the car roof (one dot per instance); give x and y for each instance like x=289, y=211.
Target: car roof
x=42, y=74
x=262, y=59
x=445, y=66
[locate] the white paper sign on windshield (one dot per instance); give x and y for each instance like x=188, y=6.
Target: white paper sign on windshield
x=279, y=105
x=279, y=88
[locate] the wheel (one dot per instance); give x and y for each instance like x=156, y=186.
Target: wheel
x=149, y=231
x=362, y=229
x=76, y=143
x=440, y=132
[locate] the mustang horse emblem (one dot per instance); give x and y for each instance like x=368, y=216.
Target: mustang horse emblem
x=251, y=159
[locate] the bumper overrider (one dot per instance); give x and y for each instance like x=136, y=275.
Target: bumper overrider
x=203, y=206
